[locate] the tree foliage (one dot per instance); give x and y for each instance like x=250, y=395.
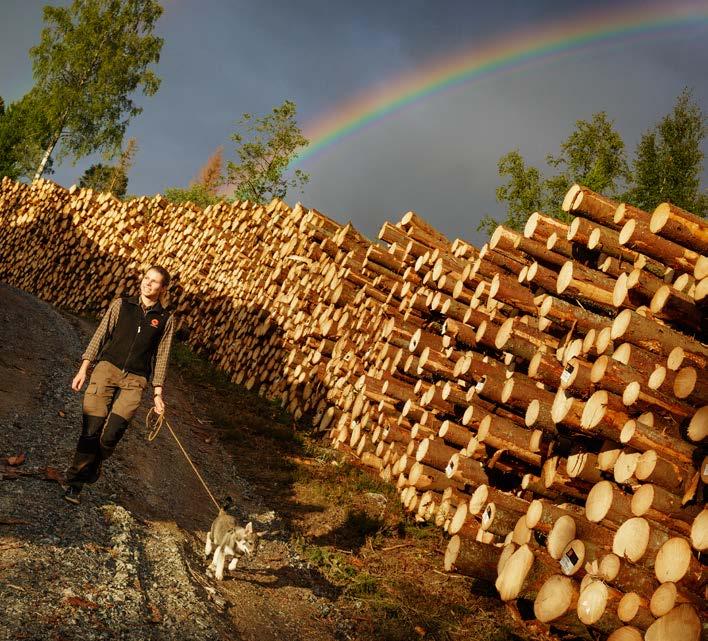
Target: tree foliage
x=669, y=160
x=667, y=167
x=522, y=191
x=105, y=178
x=91, y=57
x=265, y=147
x=196, y=193
x=592, y=155
x=24, y=132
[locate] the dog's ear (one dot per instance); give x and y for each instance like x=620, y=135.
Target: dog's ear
x=249, y=527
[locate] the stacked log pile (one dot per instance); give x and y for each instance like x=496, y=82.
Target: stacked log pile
x=542, y=398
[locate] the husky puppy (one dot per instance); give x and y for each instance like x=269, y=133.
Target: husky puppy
x=229, y=540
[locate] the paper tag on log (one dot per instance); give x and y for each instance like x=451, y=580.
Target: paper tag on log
x=568, y=560
x=566, y=565
x=480, y=385
x=565, y=376
x=486, y=517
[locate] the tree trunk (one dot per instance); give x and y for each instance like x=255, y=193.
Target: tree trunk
x=45, y=158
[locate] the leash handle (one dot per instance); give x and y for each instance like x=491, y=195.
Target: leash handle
x=152, y=434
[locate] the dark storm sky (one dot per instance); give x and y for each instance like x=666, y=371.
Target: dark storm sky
x=222, y=58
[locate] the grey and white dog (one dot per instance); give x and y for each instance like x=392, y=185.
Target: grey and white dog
x=226, y=538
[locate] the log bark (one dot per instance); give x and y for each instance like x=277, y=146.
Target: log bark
x=680, y=226
x=637, y=235
x=468, y=557
x=656, y=338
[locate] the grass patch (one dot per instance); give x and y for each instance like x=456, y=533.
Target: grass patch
x=197, y=368
x=418, y=531
x=362, y=586
x=334, y=565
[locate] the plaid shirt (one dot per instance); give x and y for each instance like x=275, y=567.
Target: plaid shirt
x=105, y=329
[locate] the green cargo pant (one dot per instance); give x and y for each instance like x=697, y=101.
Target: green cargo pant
x=110, y=401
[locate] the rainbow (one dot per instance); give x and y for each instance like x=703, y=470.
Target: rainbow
x=508, y=54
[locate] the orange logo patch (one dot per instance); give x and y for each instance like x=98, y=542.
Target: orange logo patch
x=154, y=322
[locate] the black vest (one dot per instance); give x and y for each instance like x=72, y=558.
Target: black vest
x=133, y=344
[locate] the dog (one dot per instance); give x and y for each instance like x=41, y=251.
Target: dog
x=228, y=539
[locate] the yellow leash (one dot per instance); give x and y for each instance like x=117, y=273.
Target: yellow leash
x=155, y=430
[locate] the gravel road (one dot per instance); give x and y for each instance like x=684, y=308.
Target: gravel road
x=127, y=563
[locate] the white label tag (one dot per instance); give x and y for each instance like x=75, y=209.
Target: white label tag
x=566, y=565
x=487, y=516
x=480, y=384
x=568, y=560
x=565, y=376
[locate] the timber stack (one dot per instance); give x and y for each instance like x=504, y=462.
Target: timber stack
x=542, y=399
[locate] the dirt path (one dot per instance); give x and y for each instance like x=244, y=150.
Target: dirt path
x=340, y=559
x=127, y=563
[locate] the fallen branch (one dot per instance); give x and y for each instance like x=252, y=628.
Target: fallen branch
x=9, y=520
x=395, y=547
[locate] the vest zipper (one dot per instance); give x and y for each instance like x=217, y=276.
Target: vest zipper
x=125, y=365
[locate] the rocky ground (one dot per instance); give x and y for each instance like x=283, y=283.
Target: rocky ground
x=337, y=560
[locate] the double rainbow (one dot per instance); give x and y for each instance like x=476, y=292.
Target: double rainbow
x=515, y=50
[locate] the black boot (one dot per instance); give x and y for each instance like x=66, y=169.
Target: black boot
x=111, y=435
x=72, y=495
x=86, y=466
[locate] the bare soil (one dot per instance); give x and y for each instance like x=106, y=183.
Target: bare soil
x=338, y=560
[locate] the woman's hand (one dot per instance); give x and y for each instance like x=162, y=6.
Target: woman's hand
x=80, y=377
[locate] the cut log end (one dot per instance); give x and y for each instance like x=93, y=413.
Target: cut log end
x=570, y=196
x=681, y=624
x=626, y=633
x=599, y=501
x=627, y=230
x=514, y=572
x=663, y=600
x=565, y=276
x=629, y=606
x=451, y=553
x=631, y=539
x=556, y=597
x=592, y=602
x=562, y=533
x=699, y=531
x=594, y=409
x=698, y=426
x=673, y=560
x=659, y=217
x=621, y=323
